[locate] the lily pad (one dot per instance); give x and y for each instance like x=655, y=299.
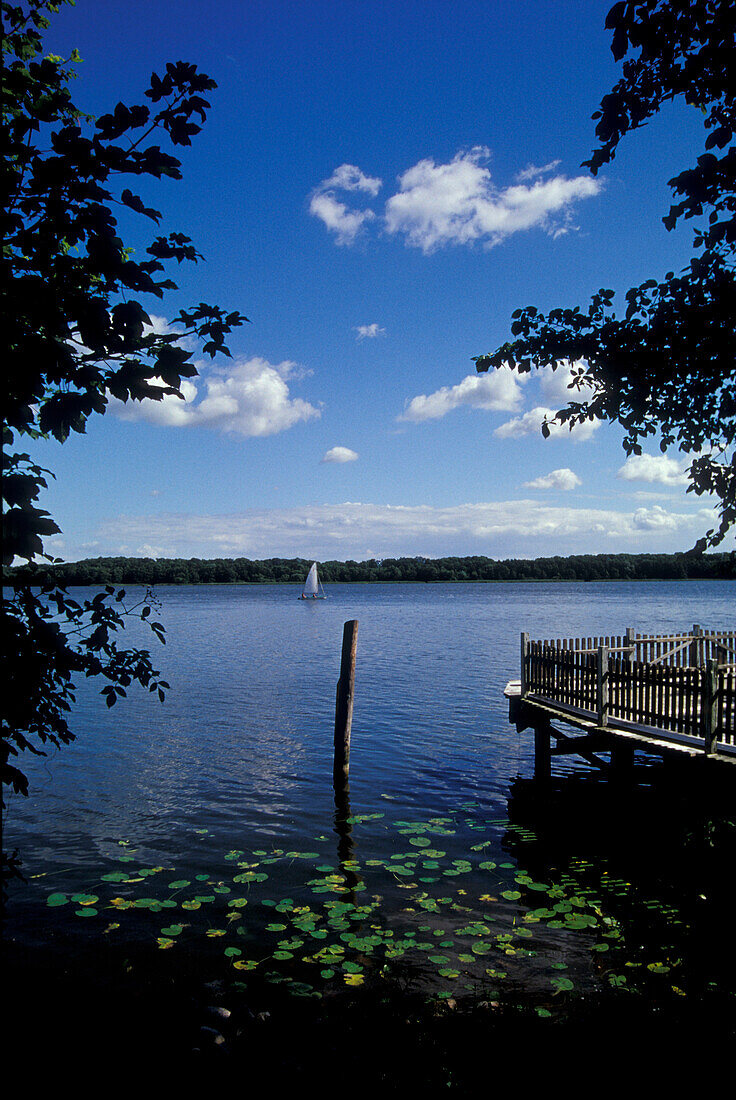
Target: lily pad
x=172, y=930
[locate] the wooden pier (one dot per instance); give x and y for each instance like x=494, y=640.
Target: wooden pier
x=660, y=693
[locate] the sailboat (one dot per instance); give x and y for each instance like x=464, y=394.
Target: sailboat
x=313, y=589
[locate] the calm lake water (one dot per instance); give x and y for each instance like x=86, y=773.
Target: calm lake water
x=227, y=788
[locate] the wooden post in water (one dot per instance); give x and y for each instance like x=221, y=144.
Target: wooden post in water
x=344, y=703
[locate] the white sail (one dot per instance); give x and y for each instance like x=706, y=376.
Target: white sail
x=311, y=584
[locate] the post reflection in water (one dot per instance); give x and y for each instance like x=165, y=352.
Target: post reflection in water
x=345, y=840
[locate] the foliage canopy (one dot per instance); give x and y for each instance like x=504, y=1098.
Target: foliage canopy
x=666, y=366
x=76, y=333
x=578, y=567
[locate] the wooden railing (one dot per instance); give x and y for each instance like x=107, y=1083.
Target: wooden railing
x=678, y=685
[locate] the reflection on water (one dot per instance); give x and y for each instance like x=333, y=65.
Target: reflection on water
x=239, y=759
x=656, y=855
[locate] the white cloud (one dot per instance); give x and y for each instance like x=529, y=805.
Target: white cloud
x=654, y=468
x=349, y=178
x=654, y=519
x=564, y=478
x=531, y=424
x=369, y=332
x=251, y=398
x=498, y=391
x=340, y=454
x=515, y=528
x=458, y=203
x=346, y=224
x=532, y=172
x=455, y=203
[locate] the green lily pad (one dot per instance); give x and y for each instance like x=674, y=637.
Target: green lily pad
x=148, y=903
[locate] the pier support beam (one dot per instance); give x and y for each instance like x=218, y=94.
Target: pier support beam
x=543, y=751
x=622, y=759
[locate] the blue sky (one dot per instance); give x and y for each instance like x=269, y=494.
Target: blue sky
x=377, y=187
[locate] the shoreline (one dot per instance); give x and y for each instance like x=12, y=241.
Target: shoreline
x=14, y=584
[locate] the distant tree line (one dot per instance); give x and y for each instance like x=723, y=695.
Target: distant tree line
x=580, y=567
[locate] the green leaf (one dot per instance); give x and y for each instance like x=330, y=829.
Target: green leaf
x=172, y=930
x=85, y=899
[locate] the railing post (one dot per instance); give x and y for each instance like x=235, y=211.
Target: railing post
x=602, y=685
x=709, y=705
x=524, y=656
x=630, y=654
x=696, y=647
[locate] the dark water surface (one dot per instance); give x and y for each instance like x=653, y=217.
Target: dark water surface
x=455, y=861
